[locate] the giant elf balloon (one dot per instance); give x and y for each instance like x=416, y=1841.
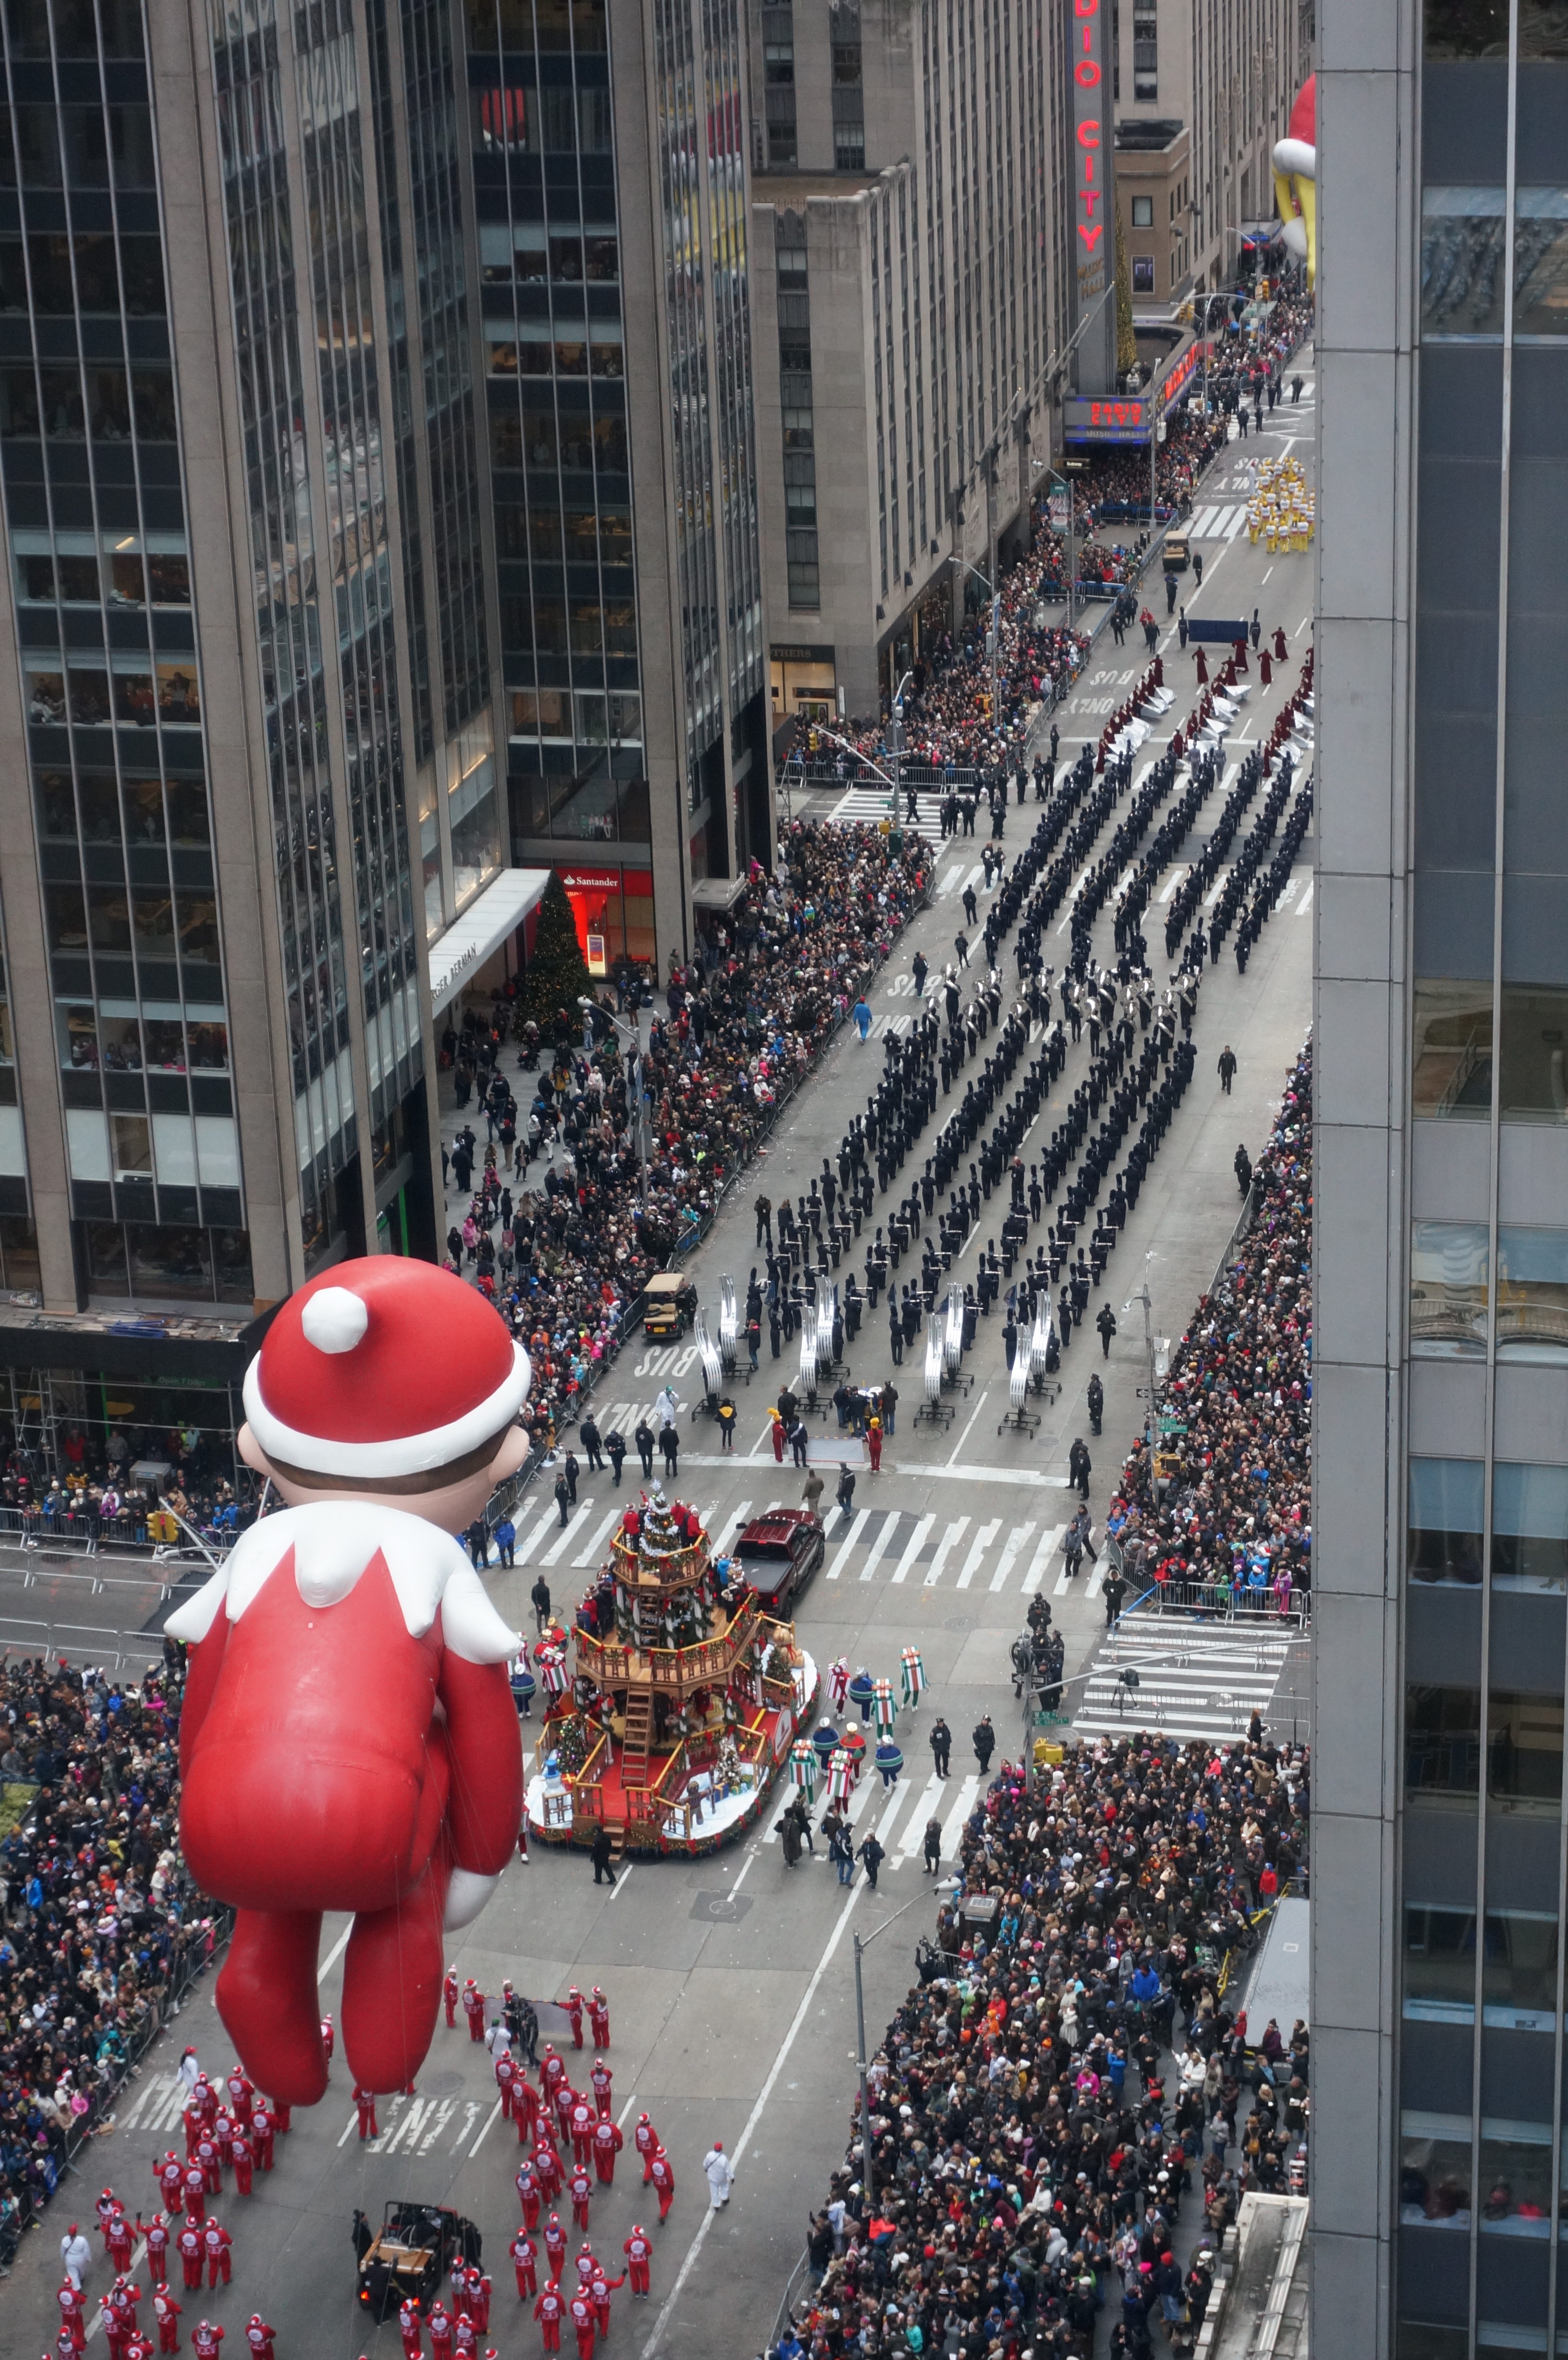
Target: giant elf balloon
x=349, y=1740
x=1296, y=179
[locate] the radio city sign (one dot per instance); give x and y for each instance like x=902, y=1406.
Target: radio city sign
x=1086, y=35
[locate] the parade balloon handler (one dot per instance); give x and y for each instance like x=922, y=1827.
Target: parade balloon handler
x=349, y=1740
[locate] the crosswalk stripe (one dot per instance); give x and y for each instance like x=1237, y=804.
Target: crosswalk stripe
x=734, y=1523
x=1199, y=1681
x=860, y=1801
x=952, y=1826
x=1041, y=1558
x=536, y=1527
x=1305, y=903
x=568, y=1534
x=944, y=1548
x=1011, y=1547
x=912, y=1547
x=977, y=1548
x=900, y=1796
x=589, y=1553
x=1199, y=526
x=856, y=1528
x=915, y=1832
x=878, y=1545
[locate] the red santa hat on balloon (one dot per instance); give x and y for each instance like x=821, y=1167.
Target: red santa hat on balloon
x=383, y=1368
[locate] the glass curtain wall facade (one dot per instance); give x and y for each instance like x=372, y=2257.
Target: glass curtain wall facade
x=1483, y=2177
x=555, y=363
x=610, y=747
x=111, y=683
x=1441, y=1446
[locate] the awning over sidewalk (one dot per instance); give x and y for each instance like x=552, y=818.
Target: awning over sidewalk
x=717, y=893
x=489, y=918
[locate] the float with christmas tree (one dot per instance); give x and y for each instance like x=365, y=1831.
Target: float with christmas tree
x=686, y=1697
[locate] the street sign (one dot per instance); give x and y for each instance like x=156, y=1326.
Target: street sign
x=1172, y=1425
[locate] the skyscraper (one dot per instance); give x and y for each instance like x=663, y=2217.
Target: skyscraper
x=244, y=593
x=608, y=159
x=1440, y=1524
x=912, y=245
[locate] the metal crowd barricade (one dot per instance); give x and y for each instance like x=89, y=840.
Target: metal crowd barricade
x=1256, y=1608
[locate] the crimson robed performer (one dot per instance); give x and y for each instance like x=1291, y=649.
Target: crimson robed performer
x=349, y=1740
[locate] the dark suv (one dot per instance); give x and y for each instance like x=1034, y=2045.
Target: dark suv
x=777, y=1555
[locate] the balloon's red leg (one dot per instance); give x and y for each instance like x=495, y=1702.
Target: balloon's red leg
x=392, y=1979
x=266, y=1996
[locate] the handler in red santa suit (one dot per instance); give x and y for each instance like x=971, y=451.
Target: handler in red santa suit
x=348, y=1740
x=638, y=2251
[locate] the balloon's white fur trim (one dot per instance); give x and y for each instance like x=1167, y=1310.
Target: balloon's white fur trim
x=466, y=1896
x=402, y=1454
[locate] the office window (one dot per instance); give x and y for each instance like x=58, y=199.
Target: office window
x=1445, y=1515
x=1143, y=212
x=1464, y=233
x=1532, y=1294
x=1530, y=1528
x=1434, y=2187
x=1452, y=1048
x=1143, y=273
x=1443, y=1740
x=1448, y=1288
x=1524, y=1749
x=1440, y=1963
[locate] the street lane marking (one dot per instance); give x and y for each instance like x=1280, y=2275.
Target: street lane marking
x=880, y=1545
x=912, y=1548
x=763, y=2096
x=588, y=1554
x=1042, y=1558
x=977, y=1548
x=1011, y=1547
x=856, y=1528
x=569, y=1532
x=944, y=1548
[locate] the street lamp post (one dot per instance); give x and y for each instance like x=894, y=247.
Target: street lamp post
x=896, y=740
x=995, y=631
x=632, y=1039
x=862, y=1944
x=1066, y=483
x=849, y=748
x=1146, y=1299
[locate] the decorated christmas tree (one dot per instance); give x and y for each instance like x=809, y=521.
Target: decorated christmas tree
x=557, y=973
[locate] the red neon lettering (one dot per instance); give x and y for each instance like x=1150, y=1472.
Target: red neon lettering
x=1088, y=135
x=1086, y=73
x=1091, y=199
x=1091, y=235
x=1086, y=8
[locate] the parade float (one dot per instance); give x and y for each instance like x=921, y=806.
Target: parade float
x=682, y=1698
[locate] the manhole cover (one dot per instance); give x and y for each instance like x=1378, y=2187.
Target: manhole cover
x=957, y=1623
x=442, y=2085
x=721, y=1908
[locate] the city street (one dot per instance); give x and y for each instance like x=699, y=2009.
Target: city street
x=731, y=1980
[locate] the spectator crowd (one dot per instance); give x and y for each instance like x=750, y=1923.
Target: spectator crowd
x=1067, y=2108
x=100, y=1927
x=1228, y=1508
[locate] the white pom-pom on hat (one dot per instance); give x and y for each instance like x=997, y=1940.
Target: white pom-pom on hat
x=334, y=1319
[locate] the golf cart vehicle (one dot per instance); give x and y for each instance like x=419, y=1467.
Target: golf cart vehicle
x=413, y=2254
